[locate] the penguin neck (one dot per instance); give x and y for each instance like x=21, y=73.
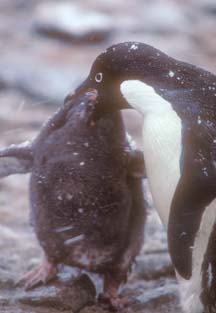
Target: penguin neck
x=143, y=98
x=161, y=142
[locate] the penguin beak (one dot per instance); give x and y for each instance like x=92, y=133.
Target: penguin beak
x=83, y=87
x=106, y=98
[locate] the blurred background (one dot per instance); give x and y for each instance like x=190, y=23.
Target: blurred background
x=46, y=50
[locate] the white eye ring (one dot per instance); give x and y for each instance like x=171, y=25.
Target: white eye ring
x=99, y=77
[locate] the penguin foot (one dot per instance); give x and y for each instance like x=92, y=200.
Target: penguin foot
x=110, y=297
x=113, y=303
x=119, y=303
x=43, y=274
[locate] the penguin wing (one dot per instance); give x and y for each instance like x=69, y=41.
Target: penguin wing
x=195, y=191
x=16, y=159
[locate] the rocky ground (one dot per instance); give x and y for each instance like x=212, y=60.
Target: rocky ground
x=46, y=49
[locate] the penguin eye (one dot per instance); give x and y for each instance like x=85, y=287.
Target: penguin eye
x=99, y=77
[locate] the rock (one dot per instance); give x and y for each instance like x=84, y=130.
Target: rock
x=68, y=295
x=163, y=18
x=153, y=296
x=15, y=5
x=207, y=6
x=38, y=79
x=204, y=37
x=94, y=309
x=6, y=279
x=155, y=234
x=68, y=22
x=153, y=266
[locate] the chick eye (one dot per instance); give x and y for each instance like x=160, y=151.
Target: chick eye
x=99, y=77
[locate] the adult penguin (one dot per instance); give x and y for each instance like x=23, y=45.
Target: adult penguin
x=178, y=103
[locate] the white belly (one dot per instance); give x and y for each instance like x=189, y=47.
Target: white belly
x=162, y=153
x=162, y=142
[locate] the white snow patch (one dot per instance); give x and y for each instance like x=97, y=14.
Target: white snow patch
x=205, y=171
x=69, y=196
x=84, y=260
x=210, y=275
x=134, y=47
x=131, y=142
x=72, y=19
x=199, y=121
x=63, y=229
x=171, y=74
x=74, y=240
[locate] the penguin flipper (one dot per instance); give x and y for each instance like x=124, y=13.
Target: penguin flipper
x=195, y=191
x=16, y=159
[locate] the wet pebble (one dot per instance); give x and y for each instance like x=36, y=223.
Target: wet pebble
x=43, y=82
x=207, y=6
x=154, y=266
x=69, y=22
x=71, y=295
x=152, y=296
x=164, y=18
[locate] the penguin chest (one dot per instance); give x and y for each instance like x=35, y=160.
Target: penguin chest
x=162, y=151
x=162, y=140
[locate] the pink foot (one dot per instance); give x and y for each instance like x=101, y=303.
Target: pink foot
x=119, y=303
x=110, y=296
x=114, y=303
x=40, y=275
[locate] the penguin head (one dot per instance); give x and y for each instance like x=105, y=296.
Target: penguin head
x=129, y=61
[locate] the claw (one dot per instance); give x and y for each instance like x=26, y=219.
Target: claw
x=43, y=274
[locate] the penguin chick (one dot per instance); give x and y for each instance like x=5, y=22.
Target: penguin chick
x=86, y=194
